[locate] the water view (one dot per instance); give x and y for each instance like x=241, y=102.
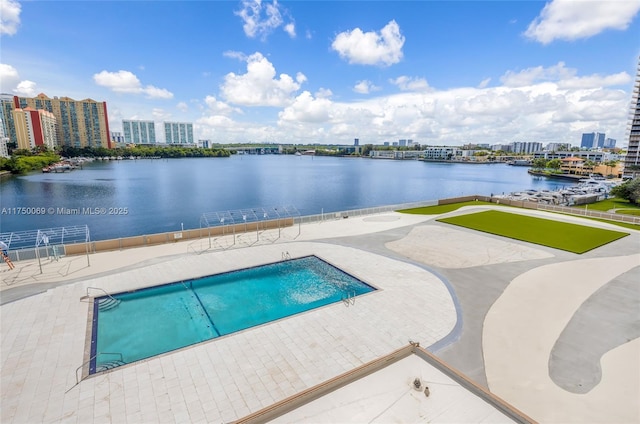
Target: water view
x=133, y=197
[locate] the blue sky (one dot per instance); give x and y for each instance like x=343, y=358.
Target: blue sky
x=438, y=72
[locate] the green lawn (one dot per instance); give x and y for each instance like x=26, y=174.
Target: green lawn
x=439, y=209
x=558, y=235
x=608, y=204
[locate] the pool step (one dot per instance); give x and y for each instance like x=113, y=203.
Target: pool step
x=107, y=303
x=109, y=365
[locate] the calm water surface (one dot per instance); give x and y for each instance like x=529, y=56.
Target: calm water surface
x=163, y=195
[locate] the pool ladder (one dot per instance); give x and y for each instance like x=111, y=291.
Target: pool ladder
x=349, y=298
x=105, y=303
x=286, y=256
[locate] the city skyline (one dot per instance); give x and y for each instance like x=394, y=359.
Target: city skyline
x=440, y=73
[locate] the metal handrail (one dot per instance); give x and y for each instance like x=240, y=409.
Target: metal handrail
x=102, y=290
x=88, y=361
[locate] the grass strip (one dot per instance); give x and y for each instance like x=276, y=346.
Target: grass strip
x=558, y=235
x=439, y=209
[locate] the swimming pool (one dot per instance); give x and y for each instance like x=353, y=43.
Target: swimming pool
x=131, y=326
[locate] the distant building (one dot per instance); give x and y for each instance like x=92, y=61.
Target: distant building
x=632, y=160
x=356, y=141
x=206, y=144
x=592, y=140
x=556, y=147
x=609, y=143
x=4, y=151
x=79, y=123
x=178, y=133
x=386, y=143
x=139, y=132
x=34, y=128
x=117, y=137
x=528, y=147
x=402, y=143
x=441, y=153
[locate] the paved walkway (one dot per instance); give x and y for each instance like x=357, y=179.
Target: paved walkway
x=408, y=257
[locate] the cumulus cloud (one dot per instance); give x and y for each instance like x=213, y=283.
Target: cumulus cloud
x=260, y=86
x=10, y=82
x=9, y=78
x=371, y=48
x=406, y=83
x=572, y=20
x=365, y=87
x=538, y=104
x=306, y=108
x=127, y=82
x=262, y=18
x=182, y=106
x=26, y=88
x=9, y=16
x=217, y=107
x=565, y=77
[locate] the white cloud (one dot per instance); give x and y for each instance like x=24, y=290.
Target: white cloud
x=365, y=87
x=260, y=19
x=406, y=83
x=324, y=93
x=371, y=48
x=182, y=106
x=9, y=16
x=160, y=114
x=484, y=83
x=26, y=88
x=9, y=78
x=260, y=86
x=216, y=107
x=235, y=55
x=572, y=20
x=127, y=82
x=290, y=29
x=538, y=104
x=10, y=82
x=305, y=108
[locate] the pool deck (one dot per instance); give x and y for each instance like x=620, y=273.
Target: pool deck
x=509, y=314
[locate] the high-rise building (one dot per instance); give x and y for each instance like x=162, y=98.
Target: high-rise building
x=80, y=123
x=592, y=140
x=356, y=141
x=34, y=128
x=9, y=129
x=632, y=160
x=139, y=132
x=526, y=147
x=178, y=132
x=609, y=143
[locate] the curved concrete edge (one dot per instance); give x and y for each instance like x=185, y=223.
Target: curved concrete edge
x=522, y=327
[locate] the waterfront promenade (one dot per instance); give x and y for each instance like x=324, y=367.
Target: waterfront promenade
x=509, y=314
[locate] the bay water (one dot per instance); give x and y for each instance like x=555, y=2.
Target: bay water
x=132, y=197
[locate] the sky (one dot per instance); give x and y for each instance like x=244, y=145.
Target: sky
x=327, y=72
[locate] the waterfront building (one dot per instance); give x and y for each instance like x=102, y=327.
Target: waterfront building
x=356, y=141
x=139, y=132
x=402, y=142
x=441, y=153
x=632, y=160
x=594, y=156
x=503, y=147
x=527, y=148
x=79, y=123
x=34, y=128
x=6, y=113
x=178, y=132
x=4, y=150
x=206, y=144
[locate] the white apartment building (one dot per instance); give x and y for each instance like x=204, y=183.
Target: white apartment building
x=178, y=132
x=139, y=132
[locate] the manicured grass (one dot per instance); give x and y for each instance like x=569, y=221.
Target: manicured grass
x=558, y=235
x=438, y=209
x=635, y=212
x=608, y=204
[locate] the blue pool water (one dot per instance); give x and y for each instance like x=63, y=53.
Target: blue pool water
x=160, y=319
